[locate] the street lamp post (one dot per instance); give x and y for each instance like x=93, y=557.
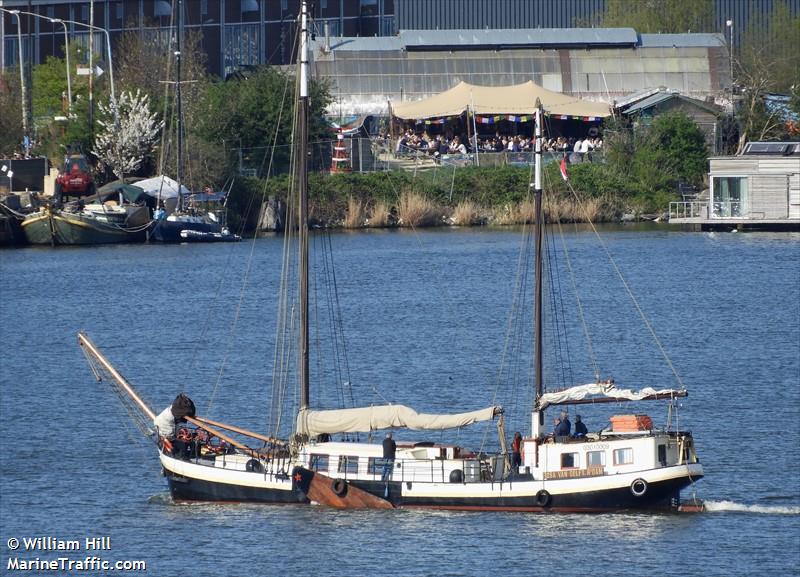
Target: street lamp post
x=729, y=24
x=21, y=74
x=66, y=48
x=66, y=55
x=108, y=52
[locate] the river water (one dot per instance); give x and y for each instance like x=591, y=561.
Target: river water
x=424, y=315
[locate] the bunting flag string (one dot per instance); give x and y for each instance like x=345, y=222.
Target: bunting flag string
x=509, y=117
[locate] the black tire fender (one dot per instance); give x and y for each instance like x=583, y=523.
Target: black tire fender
x=639, y=487
x=339, y=487
x=254, y=466
x=543, y=498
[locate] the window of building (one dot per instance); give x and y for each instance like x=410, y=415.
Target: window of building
x=623, y=456
x=569, y=460
x=318, y=462
x=595, y=458
x=730, y=196
x=241, y=46
x=348, y=464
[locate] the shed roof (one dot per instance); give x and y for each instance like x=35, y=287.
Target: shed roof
x=661, y=97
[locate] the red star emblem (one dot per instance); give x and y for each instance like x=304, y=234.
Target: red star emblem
x=298, y=477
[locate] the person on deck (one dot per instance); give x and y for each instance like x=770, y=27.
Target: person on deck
x=563, y=427
x=516, y=451
x=580, y=428
x=389, y=450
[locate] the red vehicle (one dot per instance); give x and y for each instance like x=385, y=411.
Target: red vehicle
x=76, y=178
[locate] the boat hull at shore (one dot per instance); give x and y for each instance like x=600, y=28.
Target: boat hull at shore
x=62, y=228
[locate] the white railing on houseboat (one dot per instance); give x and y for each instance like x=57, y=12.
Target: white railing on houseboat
x=688, y=209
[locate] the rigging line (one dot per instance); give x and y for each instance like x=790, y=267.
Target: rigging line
x=283, y=350
x=627, y=288
x=327, y=264
x=512, y=320
x=340, y=323
x=579, y=302
x=556, y=305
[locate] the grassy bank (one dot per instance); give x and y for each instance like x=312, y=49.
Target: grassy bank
x=464, y=197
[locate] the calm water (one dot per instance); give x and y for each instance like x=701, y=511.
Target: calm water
x=425, y=316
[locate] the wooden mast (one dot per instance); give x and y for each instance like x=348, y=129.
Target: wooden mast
x=178, y=103
x=538, y=416
x=302, y=188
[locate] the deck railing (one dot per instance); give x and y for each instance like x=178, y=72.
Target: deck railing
x=688, y=209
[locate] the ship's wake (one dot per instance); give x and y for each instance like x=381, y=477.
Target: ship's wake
x=731, y=506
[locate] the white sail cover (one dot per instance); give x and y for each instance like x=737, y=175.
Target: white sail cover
x=580, y=392
x=364, y=419
x=161, y=187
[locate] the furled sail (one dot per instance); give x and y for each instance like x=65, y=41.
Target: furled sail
x=364, y=419
x=605, y=390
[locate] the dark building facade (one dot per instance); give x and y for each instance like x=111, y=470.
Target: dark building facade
x=237, y=33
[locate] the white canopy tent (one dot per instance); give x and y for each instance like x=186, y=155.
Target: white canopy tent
x=491, y=100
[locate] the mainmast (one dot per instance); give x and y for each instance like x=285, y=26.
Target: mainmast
x=178, y=103
x=538, y=416
x=302, y=185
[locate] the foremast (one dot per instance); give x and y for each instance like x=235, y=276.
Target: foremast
x=301, y=163
x=537, y=416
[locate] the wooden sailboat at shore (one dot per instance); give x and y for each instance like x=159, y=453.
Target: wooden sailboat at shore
x=633, y=465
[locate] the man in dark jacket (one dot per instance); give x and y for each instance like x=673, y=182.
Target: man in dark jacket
x=580, y=428
x=389, y=450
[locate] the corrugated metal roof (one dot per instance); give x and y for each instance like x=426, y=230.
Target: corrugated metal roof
x=660, y=97
x=702, y=40
x=432, y=39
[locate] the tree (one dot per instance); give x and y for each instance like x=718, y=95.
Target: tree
x=10, y=112
x=129, y=131
x=654, y=16
x=767, y=63
x=256, y=110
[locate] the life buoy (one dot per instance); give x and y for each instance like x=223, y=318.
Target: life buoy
x=339, y=486
x=254, y=466
x=543, y=498
x=639, y=487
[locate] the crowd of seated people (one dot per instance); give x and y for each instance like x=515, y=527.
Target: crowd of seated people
x=578, y=150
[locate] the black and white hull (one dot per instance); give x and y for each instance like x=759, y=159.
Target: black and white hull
x=455, y=484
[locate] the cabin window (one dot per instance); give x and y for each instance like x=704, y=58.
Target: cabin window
x=375, y=465
x=623, y=456
x=595, y=458
x=662, y=455
x=318, y=463
x=348, y=464
x=569, y=460
x=730, y=197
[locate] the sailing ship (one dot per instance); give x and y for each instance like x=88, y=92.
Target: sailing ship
x=630, y=466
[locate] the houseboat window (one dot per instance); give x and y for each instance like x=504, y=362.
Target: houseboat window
x=569, y=460
x=595, y=458
x=662, y=455
x=623, y=456
x=375, y=466
x=348, y=464
x=730, y=196
x=318, y=462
